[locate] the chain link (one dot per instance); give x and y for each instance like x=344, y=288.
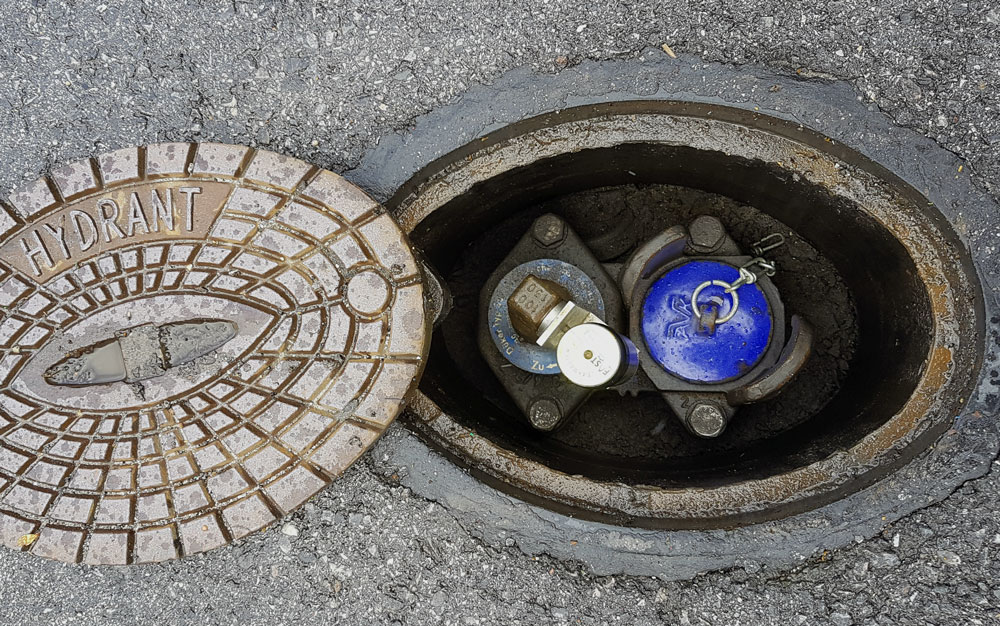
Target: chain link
x=748, y=276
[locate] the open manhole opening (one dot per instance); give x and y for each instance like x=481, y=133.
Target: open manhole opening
x=635, y=438
x=873, y=267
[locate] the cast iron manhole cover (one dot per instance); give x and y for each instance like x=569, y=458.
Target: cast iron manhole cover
x=195, y=339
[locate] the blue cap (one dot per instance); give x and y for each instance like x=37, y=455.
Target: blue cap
x=670, y=326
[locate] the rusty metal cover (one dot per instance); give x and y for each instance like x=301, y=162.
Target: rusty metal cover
x=195, y=339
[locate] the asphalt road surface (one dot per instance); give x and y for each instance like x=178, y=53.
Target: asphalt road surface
x=323, y=81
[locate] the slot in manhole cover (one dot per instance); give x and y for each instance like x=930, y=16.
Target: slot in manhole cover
x=195, y=339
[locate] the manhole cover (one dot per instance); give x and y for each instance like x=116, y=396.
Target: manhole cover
x=195, y=340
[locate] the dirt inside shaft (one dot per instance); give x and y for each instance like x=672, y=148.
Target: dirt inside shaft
x=635, y=433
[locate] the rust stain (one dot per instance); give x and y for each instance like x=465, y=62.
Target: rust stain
x=936, y=374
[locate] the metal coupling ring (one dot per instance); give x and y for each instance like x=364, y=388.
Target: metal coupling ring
x=730, y=291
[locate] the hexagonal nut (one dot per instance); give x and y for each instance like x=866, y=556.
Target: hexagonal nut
x=706, y=233
x=706, y=419
x=548, y=230
x=544, y=414
x=531, y=301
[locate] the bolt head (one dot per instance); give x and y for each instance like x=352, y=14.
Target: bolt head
x=549, y=230
x=706, y=233
x=707, y=420
x=544, y=414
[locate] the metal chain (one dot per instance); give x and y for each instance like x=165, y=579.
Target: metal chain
x=766, y=267
x=762, y=246
x=747, y=276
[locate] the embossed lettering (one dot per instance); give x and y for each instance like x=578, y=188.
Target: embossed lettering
x=92, y=225
x=79, y=219
x=31, y=252
x=135, y=215
x=190, y=193
x=59, y=234
x=109, y=221
x=161, y=212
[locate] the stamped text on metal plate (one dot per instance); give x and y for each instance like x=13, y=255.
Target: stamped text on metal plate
x=195, y=338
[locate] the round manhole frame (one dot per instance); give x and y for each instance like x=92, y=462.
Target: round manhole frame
x=957, y=336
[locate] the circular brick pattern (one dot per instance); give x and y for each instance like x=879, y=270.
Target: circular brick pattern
x=219, y=277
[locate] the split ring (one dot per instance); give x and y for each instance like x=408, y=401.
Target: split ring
x=729, y=291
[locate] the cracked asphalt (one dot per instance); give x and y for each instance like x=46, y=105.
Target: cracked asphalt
x=324, y=81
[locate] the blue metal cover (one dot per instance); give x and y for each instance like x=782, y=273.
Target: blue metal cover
x=669, y=324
